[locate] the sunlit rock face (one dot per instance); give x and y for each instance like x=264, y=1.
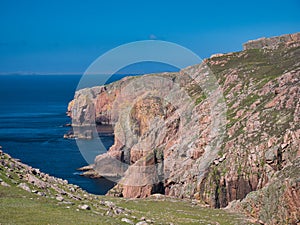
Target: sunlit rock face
x=167, y=138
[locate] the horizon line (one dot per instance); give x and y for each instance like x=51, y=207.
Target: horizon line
x=57, y=74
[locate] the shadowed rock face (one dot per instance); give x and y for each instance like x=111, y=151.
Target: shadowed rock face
x=278, y=201
x=162, y=138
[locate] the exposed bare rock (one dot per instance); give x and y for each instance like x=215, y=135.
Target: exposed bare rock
x=24, y=186
x=278, y=201
x=4, y=184
x=125, y=220
x=84, y=207
x=88, y=171
x=163, y=140
x=59, y=198
x=141, y=223
x=86, y=168
x=37, y=182
x=288, y=40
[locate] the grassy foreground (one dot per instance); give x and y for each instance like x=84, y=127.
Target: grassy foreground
x=21, y=207
x=28, y=196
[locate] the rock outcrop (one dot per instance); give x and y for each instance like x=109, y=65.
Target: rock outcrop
x=163, y=139
x=278, y=201
x=288, y=41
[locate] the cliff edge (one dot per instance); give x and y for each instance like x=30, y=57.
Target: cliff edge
x=168, y=139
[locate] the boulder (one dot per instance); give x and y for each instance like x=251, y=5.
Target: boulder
x=59, y=198
x=125, y=220
x=84, y=207
x=4, y=184
x=24, y=186
x=141, y=223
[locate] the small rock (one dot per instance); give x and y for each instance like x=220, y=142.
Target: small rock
x=34, y=191
x=62, y=192
x=24, y=186
x=127, y=221
x=118, y=211
x=222, y=158
x=284, y=145
x=5, y=184
x=1, y=180
x=143, y=218
x=84, y=207
x=109, y=204
x=37, y=182
x=109, y=213
x=270, y=155
x=72, y=189
x=158, y=196
x=75, y=197
x=68, y=203
x=59, y=198
x=194, y=202
x=35, y=171
x=141, y=223
x=41, y=193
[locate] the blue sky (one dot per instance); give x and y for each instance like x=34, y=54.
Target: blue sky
x=66, y=36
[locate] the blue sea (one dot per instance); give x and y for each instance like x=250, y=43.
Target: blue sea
x=32, y=119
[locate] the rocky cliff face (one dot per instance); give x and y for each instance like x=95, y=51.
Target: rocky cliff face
x=162, y=139
x=278, y=201
x=286, y=41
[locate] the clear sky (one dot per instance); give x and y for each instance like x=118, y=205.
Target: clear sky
x=51, y=36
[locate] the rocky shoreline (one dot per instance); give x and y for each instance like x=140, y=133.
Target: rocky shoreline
x=15, y=173
x=33, y=180
x=88, y=171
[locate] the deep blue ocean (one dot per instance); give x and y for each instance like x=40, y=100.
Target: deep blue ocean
x=32, y=119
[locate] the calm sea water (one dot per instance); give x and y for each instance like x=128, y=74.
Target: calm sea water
x=32, y=115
